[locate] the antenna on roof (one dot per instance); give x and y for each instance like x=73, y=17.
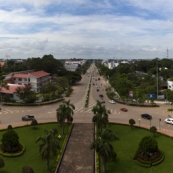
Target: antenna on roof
x=167, y=53
x=7, y=57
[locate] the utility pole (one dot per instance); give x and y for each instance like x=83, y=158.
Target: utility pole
x=157, y=78
x=167, y=53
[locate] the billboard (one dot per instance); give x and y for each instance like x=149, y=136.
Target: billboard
x=160, y=97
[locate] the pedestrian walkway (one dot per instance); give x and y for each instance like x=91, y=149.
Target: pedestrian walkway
x=78, y=157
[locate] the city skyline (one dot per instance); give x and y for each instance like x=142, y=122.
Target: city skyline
x=88, y=29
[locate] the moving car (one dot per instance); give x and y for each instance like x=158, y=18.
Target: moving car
x=169, y=120
x=112, y=101
x=124, y=109
x=146, y=116
x=28, y=117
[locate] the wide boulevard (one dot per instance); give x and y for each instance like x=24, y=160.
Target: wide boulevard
x=47, y=113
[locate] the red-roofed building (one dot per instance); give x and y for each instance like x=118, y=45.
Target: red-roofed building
x=11, y=91
x=37, y=79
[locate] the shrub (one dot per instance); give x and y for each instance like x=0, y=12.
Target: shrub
x=170, y=109
x=9, y=127
x=27, y=169
x=148, y=145
x=10, y=141
x=153, y=129
x=132, y=122
x=34, y=123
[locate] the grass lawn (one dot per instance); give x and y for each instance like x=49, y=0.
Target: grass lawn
x=31, y=157
x=128, y=144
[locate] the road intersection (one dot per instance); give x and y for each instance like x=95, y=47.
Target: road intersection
x=47, y=113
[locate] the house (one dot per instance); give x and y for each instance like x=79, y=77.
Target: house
x=37, y=79
x=11, y=91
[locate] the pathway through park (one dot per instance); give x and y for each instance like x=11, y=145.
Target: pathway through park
x=78, y=157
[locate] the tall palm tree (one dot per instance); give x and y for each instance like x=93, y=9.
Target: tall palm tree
x=61, y=115
x=103, y=147
x=49, y=145
x=65, y=112
x=70, y=108
x=100, y=115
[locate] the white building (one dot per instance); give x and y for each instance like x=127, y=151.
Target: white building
x=170, y=84
x=72, y=65
x=37, y=79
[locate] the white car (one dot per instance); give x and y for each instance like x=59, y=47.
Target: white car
x=169, y=120
x=112, y=101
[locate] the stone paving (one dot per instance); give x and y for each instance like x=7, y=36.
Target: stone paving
x=78, y=157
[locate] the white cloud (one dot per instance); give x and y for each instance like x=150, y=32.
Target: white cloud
x=25, y=33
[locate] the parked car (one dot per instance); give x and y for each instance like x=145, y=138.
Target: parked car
x=124, y=109
x=28, y=117
x=101, y=95
x=97, y=89
x=169, y=120
x=112, y=101
x=146, y=116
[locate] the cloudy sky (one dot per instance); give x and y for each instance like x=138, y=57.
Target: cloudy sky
x=103, y=29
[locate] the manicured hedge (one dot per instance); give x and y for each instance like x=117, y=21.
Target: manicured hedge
x=6, y=154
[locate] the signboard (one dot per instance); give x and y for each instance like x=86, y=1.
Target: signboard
x=160, y=97
x=131, y=93
x=151, y=96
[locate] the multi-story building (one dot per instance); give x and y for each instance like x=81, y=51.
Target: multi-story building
x=36, y=79
x=72, y=65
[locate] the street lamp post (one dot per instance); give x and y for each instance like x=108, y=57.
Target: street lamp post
x=157, y=79
x=159, y=122
x=150, y=122
x=139, y=121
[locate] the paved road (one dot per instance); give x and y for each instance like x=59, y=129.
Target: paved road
x=12, y=115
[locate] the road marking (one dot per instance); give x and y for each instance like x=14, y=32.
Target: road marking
x=89, y=110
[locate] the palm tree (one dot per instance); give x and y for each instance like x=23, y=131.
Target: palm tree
x=61, y=115
x=103, y=147
x=69, y=113
x=50, y=145
x=100, y=115
x=65, y=111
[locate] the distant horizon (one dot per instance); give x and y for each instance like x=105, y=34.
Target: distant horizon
x=122, y=59
x=86, y=29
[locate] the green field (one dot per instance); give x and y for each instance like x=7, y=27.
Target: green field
x=31, y=157
x=128, y=144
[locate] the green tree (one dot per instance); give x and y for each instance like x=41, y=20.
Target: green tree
x=65, y=112
x=132, y=122
x=26, y=94
x=34, y=123
x=153, y=129
x=9, y=127
x=10, y=139
x=27, y=169
x=148, y=145
x=70, y=110
x=62, y=82
x=100, y=115
x=2, y=163
x=103, y=146
x=61, y=115
x=49, y=145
